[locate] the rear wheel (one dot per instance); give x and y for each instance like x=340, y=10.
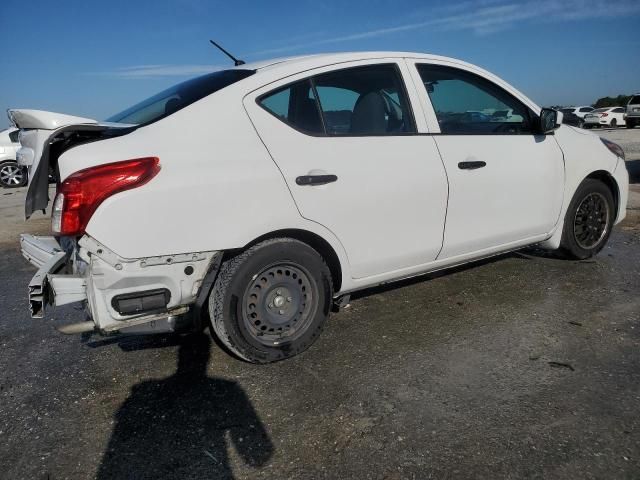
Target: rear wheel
x=614, y=123
x=12, y=175
x=271, y=302
x=588, y=221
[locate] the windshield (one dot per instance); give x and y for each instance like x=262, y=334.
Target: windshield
x=635, y=100
x=179, y=96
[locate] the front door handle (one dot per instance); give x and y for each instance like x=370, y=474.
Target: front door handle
x=472, y=165
x=316, y=179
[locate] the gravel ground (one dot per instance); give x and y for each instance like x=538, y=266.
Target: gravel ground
x=525, y=366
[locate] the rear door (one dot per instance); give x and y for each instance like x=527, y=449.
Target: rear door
x=506, y=183
x=345, y=139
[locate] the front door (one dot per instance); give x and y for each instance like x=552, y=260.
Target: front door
x=506, y=183
x=345, y=142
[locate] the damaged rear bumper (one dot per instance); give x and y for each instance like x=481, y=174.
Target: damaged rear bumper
x=46, y=286
x=104, y=282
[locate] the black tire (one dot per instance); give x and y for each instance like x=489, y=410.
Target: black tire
x=630, y=124
x=588, y=221
x=272, y=301
x=580, y=123
x=614, y=123
x=12, y=175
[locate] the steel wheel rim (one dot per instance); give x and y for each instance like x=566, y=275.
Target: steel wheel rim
x=11, y=175
x=591, y=221
x=279, y=303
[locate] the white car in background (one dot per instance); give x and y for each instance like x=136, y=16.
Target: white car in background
x=251, y=199
x=12, y=175
x=580, y=111
x=607, y=117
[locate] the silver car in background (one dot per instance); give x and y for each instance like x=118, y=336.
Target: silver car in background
x=632, y=117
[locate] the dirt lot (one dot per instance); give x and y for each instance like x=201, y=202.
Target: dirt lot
x=524, y=366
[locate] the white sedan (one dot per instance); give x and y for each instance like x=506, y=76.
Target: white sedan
x=605, y=117
x=253, y=199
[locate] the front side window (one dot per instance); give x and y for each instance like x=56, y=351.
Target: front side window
x=13, y=136
x=467, y=104
x=367, y=100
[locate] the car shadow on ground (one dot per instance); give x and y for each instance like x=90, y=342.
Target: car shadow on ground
x=179, y=427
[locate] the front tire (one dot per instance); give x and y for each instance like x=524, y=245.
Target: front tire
x=12, y=175
x=272, y=301
x=588, y=221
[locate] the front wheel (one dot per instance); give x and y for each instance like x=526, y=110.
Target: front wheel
x=271, y=301
x=588, y=221
x=630, y=124
x=12, y=175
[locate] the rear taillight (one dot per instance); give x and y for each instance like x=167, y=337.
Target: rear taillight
x=81, y=193
x=604, y=114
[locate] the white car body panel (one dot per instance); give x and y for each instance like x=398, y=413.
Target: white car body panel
x=40, y=119
x=228, y=171
x=395, y=187
x=8, y=148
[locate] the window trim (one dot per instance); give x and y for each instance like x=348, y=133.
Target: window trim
x=531, y=115
x=311, y=80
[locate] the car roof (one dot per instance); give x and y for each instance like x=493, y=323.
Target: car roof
x=338, y=57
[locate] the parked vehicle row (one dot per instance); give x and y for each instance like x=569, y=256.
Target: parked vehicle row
x=612, y=117
x=251, y=199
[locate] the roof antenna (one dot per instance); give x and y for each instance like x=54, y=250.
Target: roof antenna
x=236, y=62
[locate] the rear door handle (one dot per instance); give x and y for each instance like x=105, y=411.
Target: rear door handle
x=316, y=179
x=472, y=165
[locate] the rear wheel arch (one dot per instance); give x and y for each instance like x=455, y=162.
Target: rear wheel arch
x=315, y=241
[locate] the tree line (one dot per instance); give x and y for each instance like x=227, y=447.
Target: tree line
x=619, y=101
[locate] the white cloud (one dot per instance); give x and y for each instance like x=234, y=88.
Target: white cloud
x=484, y=17
x=151, y=71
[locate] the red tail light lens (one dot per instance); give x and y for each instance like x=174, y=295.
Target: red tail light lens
x=81, y=193
x=604, y=114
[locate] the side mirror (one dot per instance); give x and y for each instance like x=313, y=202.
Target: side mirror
x=550, y=120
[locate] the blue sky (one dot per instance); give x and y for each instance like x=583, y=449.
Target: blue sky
x=94, y=58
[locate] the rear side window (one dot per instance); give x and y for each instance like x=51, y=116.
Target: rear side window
x=586, y=109
x=13, y=136
x=618, y=110
x=467, y=104
x=296, y=105
x=367, y=100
